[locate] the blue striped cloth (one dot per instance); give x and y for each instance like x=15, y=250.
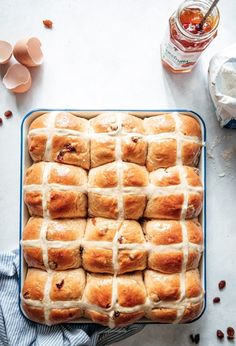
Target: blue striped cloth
x=16, y=330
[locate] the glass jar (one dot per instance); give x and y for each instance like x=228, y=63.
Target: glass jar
x=186, y=39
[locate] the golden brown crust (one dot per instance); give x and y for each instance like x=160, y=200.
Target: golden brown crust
x=104, y=123
x=98, y=290
x=162, y=315
x=161, y=153
x=40, y=122
x=34, y=174
x=33, y=200
x=100, y=229
x=190, y=126
x=96, y=296
x=65, y=315
x=67, y=204
x=106, y=176
x=134, y=206
x=165, y=206
x=102, y=151
x=167, y=315
x=97, y=317
x=190, y=153
x=195, y=200
x=65, y=148
x=169, y=206
x=108, y=123
x=102, y=206
x=130, y=293
x=167, y=261
x=37, y=146
x=191, y=312
x=167, y=287
x=163, y=232
x=134, y=149
x=170, y=259
x=66, y=120
x=60, y=257
x=34, y=313
x=61, y=202
x=67, y=285
x=72, y=148
x=165, y=176
x=125, y=319
x=159, y=124
x=134, y=175
x=131, y=290
x=66, y=175
x=34, y=284
x=32, y=229
x=33, y=257
x=99, y=259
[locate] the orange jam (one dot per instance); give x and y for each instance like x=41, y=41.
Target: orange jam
x=190, y=19
x=187, y=38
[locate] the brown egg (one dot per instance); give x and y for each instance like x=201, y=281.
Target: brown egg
x=17, y=78
x=5, y=52
x=28, y=52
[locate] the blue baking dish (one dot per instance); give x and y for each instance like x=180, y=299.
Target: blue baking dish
x=25, y=162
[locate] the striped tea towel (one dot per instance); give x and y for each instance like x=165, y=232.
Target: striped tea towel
x=16, y=330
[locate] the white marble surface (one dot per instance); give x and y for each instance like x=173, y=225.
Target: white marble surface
x=105, y=54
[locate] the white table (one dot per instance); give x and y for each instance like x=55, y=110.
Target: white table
x=105, y=54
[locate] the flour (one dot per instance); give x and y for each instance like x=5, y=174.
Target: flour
x=222, y=86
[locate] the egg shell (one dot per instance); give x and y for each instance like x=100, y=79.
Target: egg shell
x=5, y=52
x=28, y=52
x=17, y=79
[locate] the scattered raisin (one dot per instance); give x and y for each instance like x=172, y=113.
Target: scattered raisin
x=216, y=300
x=70, y=148
x=222, y=284
x=60, y=156
x=52, y=264
x=60, y=284
x=48, y=23
x=0, y=121
x=120, y=239
x=135, y=139
x=195, y=338
x=192, y=338
x=220, y=334
x=108, y=306
x=116, y=314
x=26, y=295
x=8, y=114
x=230, y=333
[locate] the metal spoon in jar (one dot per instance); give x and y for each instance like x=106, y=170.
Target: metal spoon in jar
x=200, y=25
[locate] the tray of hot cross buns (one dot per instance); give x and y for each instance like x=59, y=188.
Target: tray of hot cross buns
x=112, y=216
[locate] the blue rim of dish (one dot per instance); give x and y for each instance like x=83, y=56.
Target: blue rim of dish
x=113, y=110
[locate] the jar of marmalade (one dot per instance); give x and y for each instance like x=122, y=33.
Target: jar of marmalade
x=186, y=38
